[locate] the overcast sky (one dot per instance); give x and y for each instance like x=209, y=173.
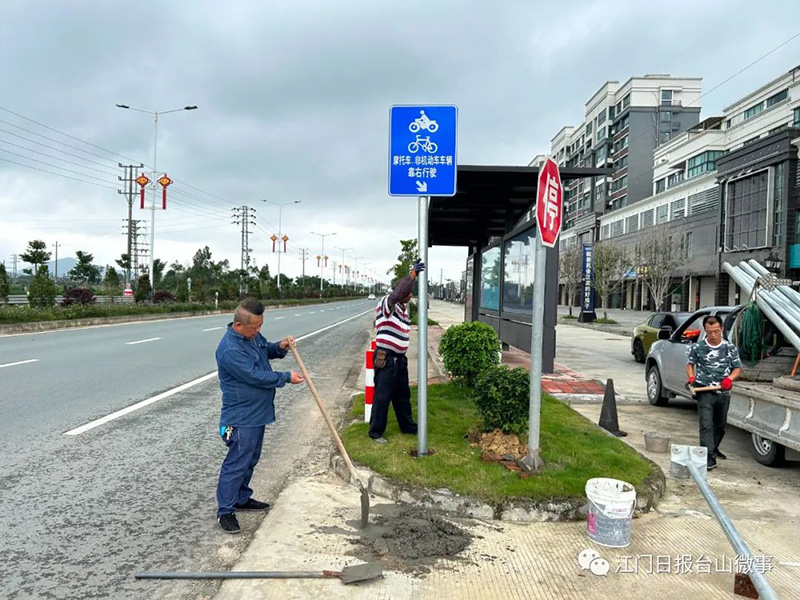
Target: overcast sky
x=293, y=105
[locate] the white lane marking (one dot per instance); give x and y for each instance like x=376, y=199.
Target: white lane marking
x=180, y=388
x=212, y=328
x=21, y=362
x=312, y=312
x=298, y=314
x=138, y=405
x=142, y=341
x=278, y=318
x=308, y=335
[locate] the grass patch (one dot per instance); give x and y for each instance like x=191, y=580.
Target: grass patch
x=573, y=449
x=569, y=317
x=602, y=321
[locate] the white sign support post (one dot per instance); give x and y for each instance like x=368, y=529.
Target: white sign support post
x=422, y=320
x=549, y=198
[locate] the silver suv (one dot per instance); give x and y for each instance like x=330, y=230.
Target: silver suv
x=665, y=367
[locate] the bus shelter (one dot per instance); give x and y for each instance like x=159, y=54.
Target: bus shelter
x=493, y=216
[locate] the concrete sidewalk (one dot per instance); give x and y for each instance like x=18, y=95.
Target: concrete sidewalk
x=677, y=552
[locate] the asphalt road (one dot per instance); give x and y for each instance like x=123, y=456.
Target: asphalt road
x=81, y=513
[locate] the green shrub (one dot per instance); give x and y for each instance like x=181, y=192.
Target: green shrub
x=42, y=291
x=503, y=396
x=469, y=349
x=142, y=291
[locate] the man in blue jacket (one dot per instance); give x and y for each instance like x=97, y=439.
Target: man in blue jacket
x=248, y=387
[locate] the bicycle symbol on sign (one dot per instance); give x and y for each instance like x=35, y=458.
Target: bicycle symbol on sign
x=423, y=143
x=423, y=122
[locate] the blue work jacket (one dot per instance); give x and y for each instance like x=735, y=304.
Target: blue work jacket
x=247, y=380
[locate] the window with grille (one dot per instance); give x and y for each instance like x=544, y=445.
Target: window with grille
x=647, y=218
x=604, y=232
x=616, y=228
x=779, y=199
x=662, y=214
x=678, y=208
x=704, y=201
x=632, y=224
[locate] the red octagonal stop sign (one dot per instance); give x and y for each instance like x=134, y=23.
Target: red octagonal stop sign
x=549, y=202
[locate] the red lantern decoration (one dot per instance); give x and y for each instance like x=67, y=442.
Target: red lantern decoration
x=142, y=180
x=164, y=181
x=274, y=239
x=284, y=239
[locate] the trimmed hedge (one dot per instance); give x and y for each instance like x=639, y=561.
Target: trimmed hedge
x=26, y=314
x=502, y=396
x=469, y=349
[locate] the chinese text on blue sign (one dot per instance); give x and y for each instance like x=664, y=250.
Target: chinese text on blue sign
x=587, y=304
x=422, y=151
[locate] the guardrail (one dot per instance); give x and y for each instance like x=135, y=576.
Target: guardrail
x=22, y=299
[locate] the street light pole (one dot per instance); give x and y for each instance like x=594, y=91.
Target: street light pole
x=344, y=270
x=322, y=258
x=280, y=206
x=155, y=178
x=355, y=272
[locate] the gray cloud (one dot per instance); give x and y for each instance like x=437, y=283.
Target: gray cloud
x=294, y=101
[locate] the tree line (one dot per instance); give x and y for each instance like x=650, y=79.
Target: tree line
x=202, y=280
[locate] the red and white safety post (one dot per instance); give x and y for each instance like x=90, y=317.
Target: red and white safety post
x=369, y=382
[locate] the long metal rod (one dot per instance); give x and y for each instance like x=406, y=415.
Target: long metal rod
x=533, y=459
x=422, y=320
x=238, y=575
x=785, y=308
x=759, y=581
x=744, y=282
x=785, y=311
x=789, y=293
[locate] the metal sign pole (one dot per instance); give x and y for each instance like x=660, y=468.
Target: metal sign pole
x=533, y=461
x=422, y=330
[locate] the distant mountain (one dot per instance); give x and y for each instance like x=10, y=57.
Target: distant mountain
x=64, y=265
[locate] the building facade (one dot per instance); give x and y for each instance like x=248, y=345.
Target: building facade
x=727, y=190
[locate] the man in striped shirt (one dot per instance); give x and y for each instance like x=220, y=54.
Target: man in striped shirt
x=393, y=323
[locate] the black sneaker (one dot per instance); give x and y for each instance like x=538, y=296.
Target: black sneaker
x=718, y=454
x=712, y=464
x=228, y=523
x=253, y=505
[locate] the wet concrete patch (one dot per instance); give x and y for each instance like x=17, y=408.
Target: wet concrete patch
x=404, y=538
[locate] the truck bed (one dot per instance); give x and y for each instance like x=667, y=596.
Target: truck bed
x=766, y=410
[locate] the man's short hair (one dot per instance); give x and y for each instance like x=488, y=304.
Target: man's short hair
x=711, y=319
x=246, y=308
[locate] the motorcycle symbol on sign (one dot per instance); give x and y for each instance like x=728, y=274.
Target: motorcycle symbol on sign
x=424, y=143
x=423, y=122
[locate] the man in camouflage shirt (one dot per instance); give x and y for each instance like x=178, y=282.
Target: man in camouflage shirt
x=713, y=361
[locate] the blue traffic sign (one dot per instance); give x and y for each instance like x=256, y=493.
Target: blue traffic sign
x=422, y=150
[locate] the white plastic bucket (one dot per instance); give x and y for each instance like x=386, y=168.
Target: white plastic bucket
x=610, y=515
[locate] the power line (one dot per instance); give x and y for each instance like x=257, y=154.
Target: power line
x=8, y=160
x=27, y=139
x=64, y=134
x=64, y=160
x=776, y=48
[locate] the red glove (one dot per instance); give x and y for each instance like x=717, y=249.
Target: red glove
x=726, y=384
x=691, y=380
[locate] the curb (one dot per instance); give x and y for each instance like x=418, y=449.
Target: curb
x=648, y=495
x=615, y=329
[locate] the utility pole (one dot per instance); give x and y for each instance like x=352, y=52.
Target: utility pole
x=131, y=173
x=245, y=216
x=304, y=258
x=136, y=230
x=14, y=259
x=55, y=264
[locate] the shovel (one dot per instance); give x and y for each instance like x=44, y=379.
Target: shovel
x=324, y=411
x=347, y=575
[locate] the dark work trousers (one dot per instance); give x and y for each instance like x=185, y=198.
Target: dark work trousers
x=391, y=387
x=244, y=450
x=712, y=408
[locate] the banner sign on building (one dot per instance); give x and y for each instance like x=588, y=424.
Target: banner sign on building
x=587, y=297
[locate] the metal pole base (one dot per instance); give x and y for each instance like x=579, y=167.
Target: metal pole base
x=532, y=462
